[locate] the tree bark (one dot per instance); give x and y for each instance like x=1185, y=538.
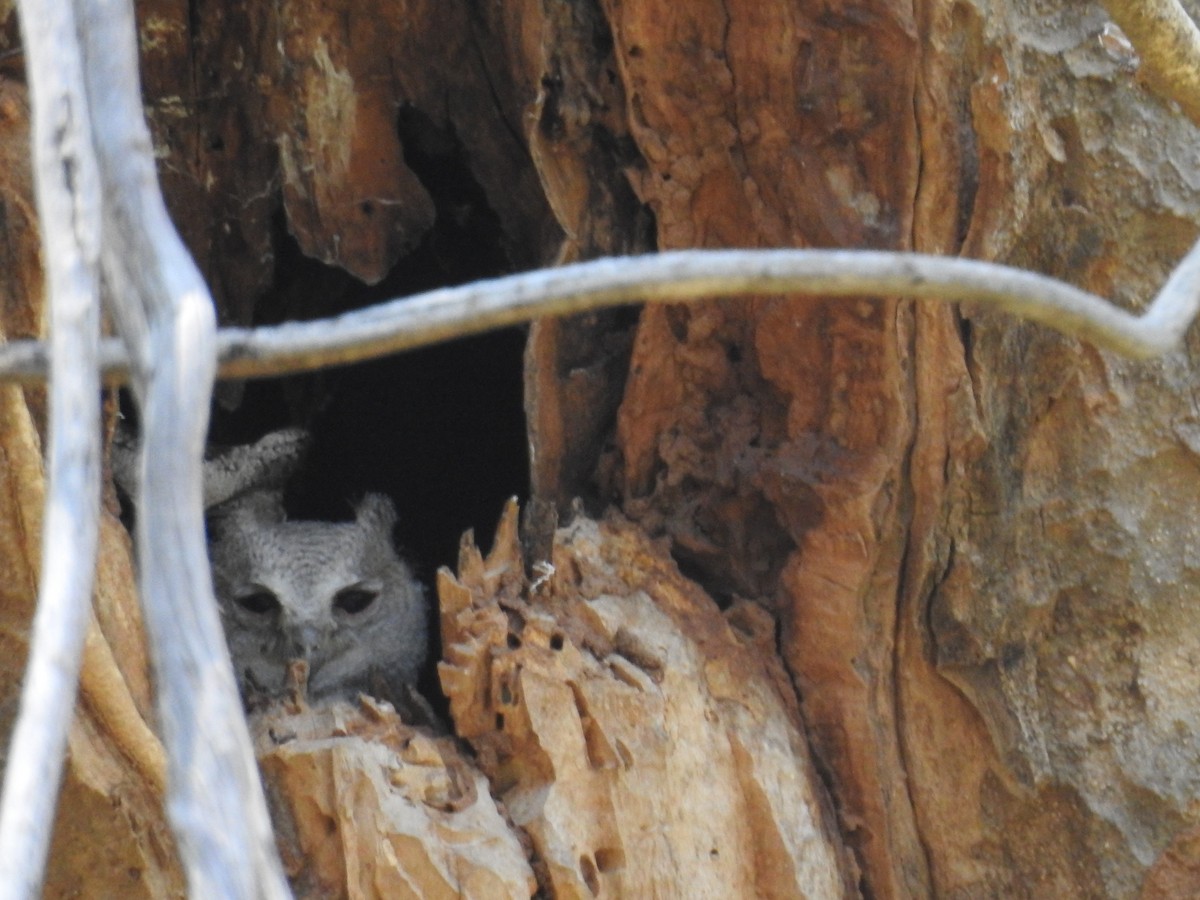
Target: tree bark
x=865, y=598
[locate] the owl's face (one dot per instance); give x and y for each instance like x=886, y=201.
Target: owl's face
x=335, y=595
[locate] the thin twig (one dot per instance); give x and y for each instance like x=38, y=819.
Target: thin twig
x=1168, y=42
x=68, y=198
x=677, y=277
x=163, y=311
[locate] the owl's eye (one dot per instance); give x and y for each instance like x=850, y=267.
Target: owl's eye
x=260, y=602
x=354, y=600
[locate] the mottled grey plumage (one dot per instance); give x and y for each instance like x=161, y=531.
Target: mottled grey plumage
x=334, y=595
x=229, y=472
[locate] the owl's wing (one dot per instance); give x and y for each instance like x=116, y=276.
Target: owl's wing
x=262, y=466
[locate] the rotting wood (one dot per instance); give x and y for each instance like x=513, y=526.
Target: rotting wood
x=1168, y=42
x=647, y=743
x=367, y=807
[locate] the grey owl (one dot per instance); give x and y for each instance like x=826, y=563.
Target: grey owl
x=333, y=594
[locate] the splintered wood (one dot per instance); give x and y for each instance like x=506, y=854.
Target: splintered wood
x=368, y=807
x=646, y=743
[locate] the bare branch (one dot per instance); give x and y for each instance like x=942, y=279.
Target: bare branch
x=1168, y=42
x=677, y=277
x=164, y=313
x=68, y=198
x=689, y=275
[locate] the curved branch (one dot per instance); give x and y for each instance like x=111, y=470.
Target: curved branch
x=677, y=277
x=1168, y=42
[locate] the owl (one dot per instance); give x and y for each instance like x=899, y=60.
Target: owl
x=334, y=595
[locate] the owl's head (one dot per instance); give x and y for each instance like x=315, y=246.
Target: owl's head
x=334, y=594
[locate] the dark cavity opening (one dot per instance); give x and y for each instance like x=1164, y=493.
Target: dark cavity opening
x=440, y=430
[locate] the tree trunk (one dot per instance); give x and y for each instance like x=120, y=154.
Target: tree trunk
x=862, y=598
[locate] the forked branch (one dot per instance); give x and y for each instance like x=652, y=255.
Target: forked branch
x=101, y=210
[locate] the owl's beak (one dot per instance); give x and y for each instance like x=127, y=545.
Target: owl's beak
x=306, y=639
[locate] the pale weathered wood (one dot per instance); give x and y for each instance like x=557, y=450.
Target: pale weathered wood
x=99, y=204
x=68, y=200
x=648, y=744
x=368, y=807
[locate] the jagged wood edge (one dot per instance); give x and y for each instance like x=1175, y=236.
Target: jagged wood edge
x=677, y=277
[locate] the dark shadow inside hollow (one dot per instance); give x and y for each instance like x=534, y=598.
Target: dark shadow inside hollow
x=440, y=430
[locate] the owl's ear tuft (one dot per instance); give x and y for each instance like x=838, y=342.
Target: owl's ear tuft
x=377, y=515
